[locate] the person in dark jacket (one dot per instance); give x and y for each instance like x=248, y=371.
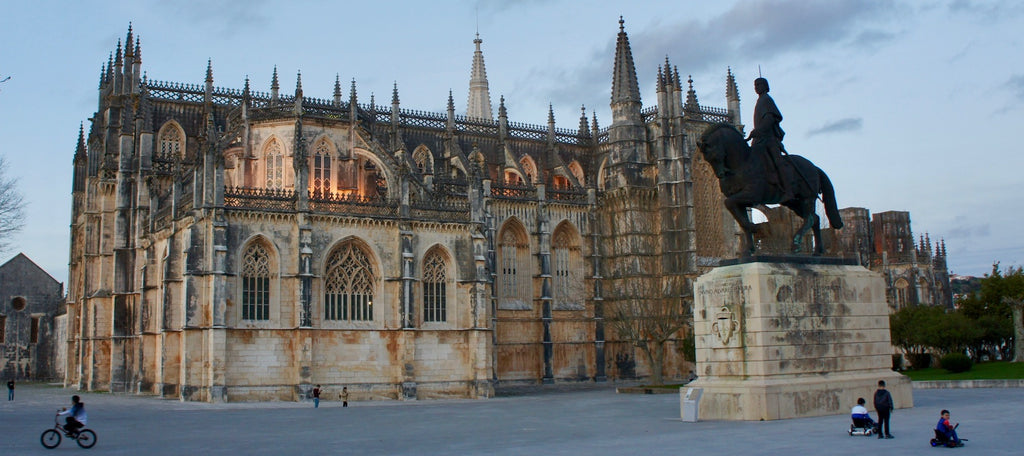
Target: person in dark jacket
x=883, y=405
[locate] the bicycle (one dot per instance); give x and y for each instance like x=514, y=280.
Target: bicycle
x=85, y=438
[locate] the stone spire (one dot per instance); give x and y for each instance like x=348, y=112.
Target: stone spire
x=274, y=86
x=691, y=96
x=584, y=130
x=479, y=106
x=80, y=147
x=732, y=97
x=624, y=85
x=502, y=119
x=450, y=123
x=337, y=90
x=298, y=93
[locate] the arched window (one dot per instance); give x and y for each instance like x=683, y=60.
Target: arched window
x=171, y=143
x=901, y=292
x=424, y=160
x=567, y=269
x=255, y=283
x=435, y=282
x=513, y=281
x=349, y=284
x=529, y=168
x=320, y=184
x=577, y=171
x=274, y=157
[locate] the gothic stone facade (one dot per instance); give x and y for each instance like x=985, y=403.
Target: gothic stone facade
x=236, y=245
x=30, y=302
x=914, y=274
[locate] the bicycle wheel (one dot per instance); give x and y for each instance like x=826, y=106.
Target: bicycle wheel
x=50, y=438
x=86, y=438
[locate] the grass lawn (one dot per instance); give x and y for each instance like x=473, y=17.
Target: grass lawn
x=992, y=370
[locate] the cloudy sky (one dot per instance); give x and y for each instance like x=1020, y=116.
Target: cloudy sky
x=906, y=105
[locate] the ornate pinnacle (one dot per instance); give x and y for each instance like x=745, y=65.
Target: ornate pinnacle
x=337, y=86
x=394, y=94
x=273, y=80
x=209, y=71
x=451, y=101
x=138, y=51
x=117, y=57
x=298, y=83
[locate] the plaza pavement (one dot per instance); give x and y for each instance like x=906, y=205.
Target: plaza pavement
x=541, y=421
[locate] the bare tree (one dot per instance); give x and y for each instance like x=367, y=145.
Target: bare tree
x=12, y=206
x=648, y=322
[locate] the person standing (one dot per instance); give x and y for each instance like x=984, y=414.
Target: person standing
x=10, y=389
x=344, y=396
x=316, y=397
x=884, y=406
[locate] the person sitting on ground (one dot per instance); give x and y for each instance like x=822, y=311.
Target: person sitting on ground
x=76, y=416
x=860, y=415
x=947, y=429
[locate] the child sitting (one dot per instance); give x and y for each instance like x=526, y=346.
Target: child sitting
x=860, y=415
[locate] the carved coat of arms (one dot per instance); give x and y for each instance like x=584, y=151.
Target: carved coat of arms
x=725, y=325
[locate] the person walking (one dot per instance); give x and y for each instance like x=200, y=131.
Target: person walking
x=10, y=389
x=884, y=406
x=316, y=397
x=344, y=396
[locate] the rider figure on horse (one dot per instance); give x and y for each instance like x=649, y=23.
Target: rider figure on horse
x=767, y=136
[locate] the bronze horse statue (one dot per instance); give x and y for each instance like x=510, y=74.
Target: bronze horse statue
x=741, y=176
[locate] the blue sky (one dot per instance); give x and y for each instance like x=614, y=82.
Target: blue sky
x=906, y=105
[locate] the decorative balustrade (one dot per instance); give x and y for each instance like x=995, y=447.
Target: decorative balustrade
x=508, y=191
x=441, y=208
x=567, y=196
x=352, y=204
x=269, y=199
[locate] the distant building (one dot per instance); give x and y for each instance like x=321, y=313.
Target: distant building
x=914, y=273
x=30, y=301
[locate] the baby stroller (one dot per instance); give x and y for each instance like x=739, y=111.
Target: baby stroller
x=862, y=426
x=941, y=439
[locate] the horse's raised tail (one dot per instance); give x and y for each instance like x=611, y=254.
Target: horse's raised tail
x=828, y=196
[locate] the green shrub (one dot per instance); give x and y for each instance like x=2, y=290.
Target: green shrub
x=897, y=361
x=956, y=362
x=920, y=360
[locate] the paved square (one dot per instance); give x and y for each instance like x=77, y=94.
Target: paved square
x=550, y=421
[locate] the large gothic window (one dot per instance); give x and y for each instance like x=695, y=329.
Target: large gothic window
x=424, y=161
x=274, y=157
x=256, y=283
x=320, y=184
x=171, y=143
x=434, y=288
x=901, y=293
x=567, y=270
x=513, y=281
x=349, y=284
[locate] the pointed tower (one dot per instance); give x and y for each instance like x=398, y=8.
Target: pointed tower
x=732, y=99
x=479, y=106
x=627, y=156
x=274, y=87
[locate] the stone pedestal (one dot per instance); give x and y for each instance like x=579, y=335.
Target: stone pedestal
x=778, y=339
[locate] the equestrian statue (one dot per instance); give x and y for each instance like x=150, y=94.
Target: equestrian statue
x=764, y=173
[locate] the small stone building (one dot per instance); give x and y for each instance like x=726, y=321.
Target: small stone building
x=30, y=301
